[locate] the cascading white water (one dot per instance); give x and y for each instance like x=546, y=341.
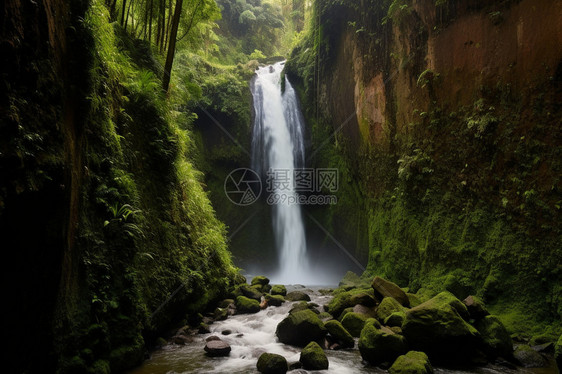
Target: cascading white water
x=278, y=149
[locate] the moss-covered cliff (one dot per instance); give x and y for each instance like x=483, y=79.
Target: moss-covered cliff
x=107, y=234
x=447, y=121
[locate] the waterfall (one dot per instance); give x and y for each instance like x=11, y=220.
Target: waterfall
x=277, y=150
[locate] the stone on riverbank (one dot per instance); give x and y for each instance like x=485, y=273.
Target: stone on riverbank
x=384, y=288
x=354, y=323
x=247, y=305
x=279, y=289
x=297, y=296
x=413, y=362
x=271, y=363
x=313, y=357
x=300, y=328
x=340, y=334
x=378, y=346
x=217, y=348
x=497, y=341
x=475, y=307
x=274, y=300
x=529, y=358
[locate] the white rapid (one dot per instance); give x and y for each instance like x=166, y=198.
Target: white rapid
x=278, y=149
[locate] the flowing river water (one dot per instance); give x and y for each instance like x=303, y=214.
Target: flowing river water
x=253, y=334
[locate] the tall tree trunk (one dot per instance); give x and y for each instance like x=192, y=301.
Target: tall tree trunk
x=123, y=9
x=150, y=22
x=172, y=46
x=168, y=25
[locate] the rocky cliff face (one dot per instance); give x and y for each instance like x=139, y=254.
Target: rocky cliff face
x=447, y=114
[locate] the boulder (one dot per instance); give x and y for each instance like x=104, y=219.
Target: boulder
x=260, y=279
x=540, y=339
x=340, y=334
x=278, y=289
x=362, y=298
x=475, y=307
x=261, y=288
x=325, y=316
x=221, y=314
x=413, y=299
x=297, y=296
x=378, y=346
x=384, y=288
x=388, y=306
x=344, y=299
x=413, y=362
x=313, y=357
x=435, y=327
x=217, y=348
x=361, y=309
x=275, y=300
x=396, y=319
x=529, y=358
x=249, y=292
x=300, y=328
x=354, y=323
x=271, y=363
x=424, y=294
x=350, y=279
x=558, y=354
x=212, y=337
x=344, y=312
x=446, y=297
x=303, y=305
x=246, y=305
x=496, y=339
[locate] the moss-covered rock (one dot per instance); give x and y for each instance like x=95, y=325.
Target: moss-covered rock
x=220, y=314
x=344, y=312
x=247, y=291
x=260, y=279
x=436, y=328
x=278, y=289
x=303, y=305
x=271, y=363
x=274, y=300
x=388, y=306
x=297, y=296
x=378, y=346
x=540, y=339
x=313, y=357
x=414, y=299
x=475, y=307
x=353, y=280
x=343, y=300
x=446, y=297
x=362, y=298
x=354, y=323
x=496, y=339
x=384, y=288
x=261, y=288
x=529, y=358
x=300, y=328
x=424, y=294
x=247, y=305
x=340, y=334
x=413, y=362
x=396, y=319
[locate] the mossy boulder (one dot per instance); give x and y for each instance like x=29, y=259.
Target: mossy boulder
x=436, y=328
x=558, y=354
x=475, y=307
x=260, y=279
x=353, y=280
x=274, y=300
x=226, y=303
x=249, y=292
x=247, y=305
x=388, y=306
x=362, y=298
x=303, y=305
x=220, y=314
x=529, y=358
x=313, y=357
x=344, y=299
x=261, y=288
x=340, y=334
x=378, y=346
x=413, y=362
x=424, y=294
x=446, y=297
x=271, y=363
x=343, y=313
x=540, y=339
x=354, y=323
x=384, y=288
x=414, y=299
x=396, y=319
x=297, y=296
x=278, y=289
x=300, y=328
x=496, y=339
